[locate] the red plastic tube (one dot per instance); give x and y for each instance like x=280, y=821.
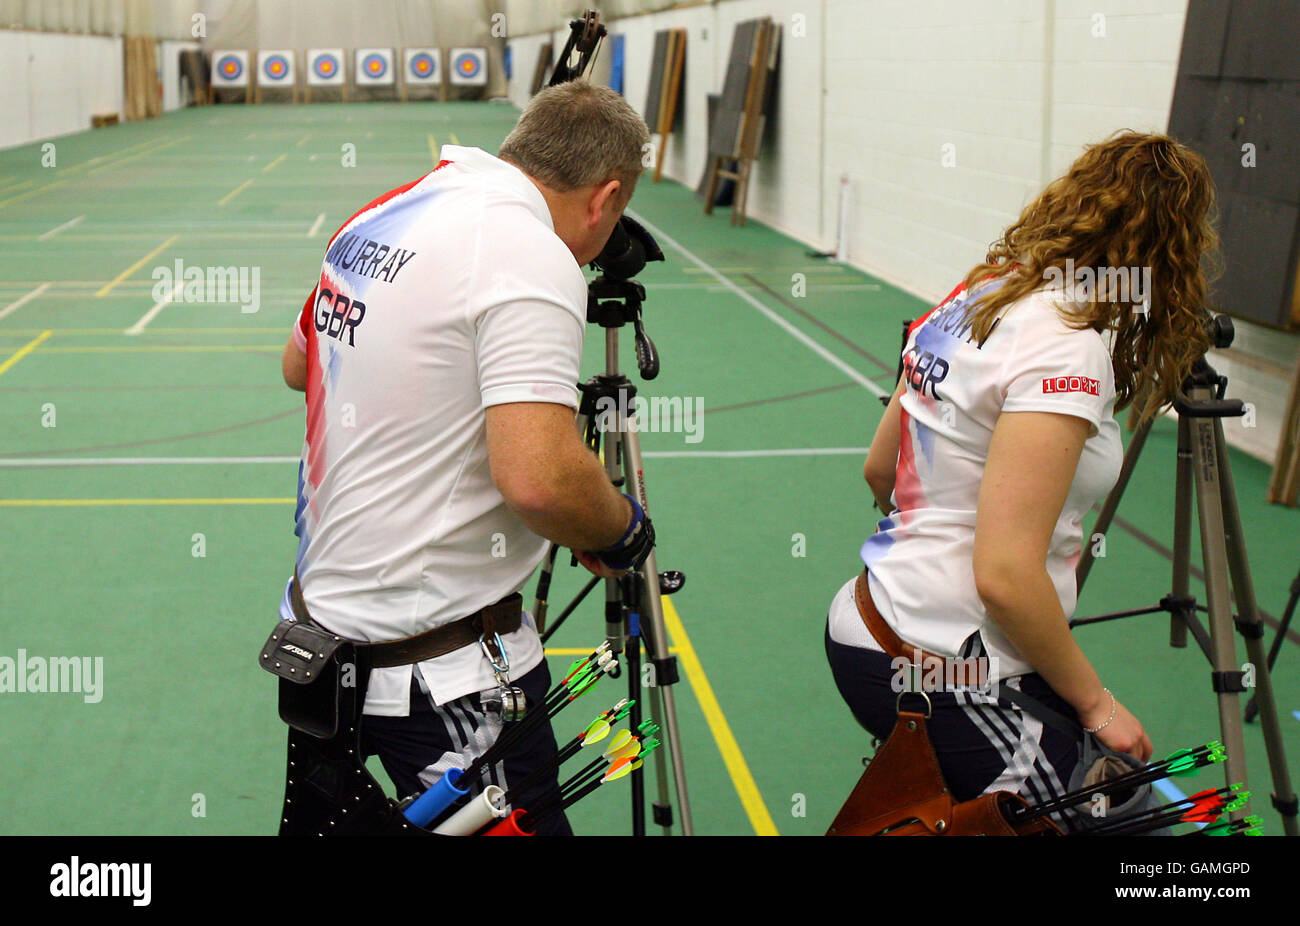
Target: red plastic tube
x=510, y=826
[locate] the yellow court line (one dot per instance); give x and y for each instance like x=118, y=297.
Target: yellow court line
x=24, y=351
x=302, y=141
x=579, y=651
x=268, y=167
x=454, y=139
x=150, y=330
x=160, y=349
x=108, y=287
x=750, y=798
x=48, y=186
x=235, y=192
x=433, y=148
x=16, y=186
x=142, y=154
x=117, y=502
x=103, y=157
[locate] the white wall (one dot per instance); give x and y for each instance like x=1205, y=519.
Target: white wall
x=875, y=90
x=55, y=83
x=784, y=186
x=160, y=18
x=1015, y=88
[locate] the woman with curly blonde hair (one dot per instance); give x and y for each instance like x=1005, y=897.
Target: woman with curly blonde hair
x=1000, y=437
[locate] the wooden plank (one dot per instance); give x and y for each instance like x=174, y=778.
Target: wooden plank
x=1284, y=484
x=752, y=118
x=543, y=65
x=670, y=93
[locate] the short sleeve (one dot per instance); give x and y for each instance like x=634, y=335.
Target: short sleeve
x=304, y=319
x=528, y=351
x=1053, y=368
x=527, y=307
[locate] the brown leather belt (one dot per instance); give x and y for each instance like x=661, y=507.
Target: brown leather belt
x=889, y=641
x=506, y=616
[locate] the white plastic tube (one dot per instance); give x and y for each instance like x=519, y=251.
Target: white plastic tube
x=476, y=814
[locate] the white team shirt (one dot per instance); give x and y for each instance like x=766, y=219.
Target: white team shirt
x=920, y=558
x=437, y=300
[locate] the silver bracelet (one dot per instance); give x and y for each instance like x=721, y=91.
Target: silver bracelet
x=1108, y=719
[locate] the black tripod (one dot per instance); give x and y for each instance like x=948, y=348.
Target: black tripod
x=633, y=609
x=1202, y=466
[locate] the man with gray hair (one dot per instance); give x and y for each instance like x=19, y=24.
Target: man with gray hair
x=439, y=354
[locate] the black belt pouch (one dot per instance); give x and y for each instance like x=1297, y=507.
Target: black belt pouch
x=321, y=681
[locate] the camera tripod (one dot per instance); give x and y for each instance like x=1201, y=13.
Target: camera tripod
x=1202, y=468
x=633, y=608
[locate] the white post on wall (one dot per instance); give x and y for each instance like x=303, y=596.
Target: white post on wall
x=842, y=237
x=1049, y=64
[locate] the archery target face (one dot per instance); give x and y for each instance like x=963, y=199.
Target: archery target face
x=275, y=68
x=469, y=66
x=374, y=66
x=422, y=66
x=230, y=69
x=325, y=66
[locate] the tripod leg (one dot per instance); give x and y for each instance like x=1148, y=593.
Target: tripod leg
x=1182, y=532
x=1108, y=508
x=544, y=588
x=632, y=662
x=1283, y=629
x=652, y=629
x=1226, y=675
x=1252, y=628
x=625, y=639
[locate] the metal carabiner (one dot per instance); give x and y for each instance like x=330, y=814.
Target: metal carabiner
x=500, y=662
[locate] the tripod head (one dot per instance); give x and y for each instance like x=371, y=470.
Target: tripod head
x=614, y=298
x=1204, y=377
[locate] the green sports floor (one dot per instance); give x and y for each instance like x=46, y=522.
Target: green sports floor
x=127, y=433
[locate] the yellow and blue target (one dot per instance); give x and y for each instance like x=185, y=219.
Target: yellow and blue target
x=374, y=65
x=275, y=67
x=325, y=66
x=230, y=67
x=468, y=65
x=422, y=66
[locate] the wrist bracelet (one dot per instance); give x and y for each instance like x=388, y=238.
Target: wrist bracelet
x=634, y=546
x=1113, y=704
x=638, y=517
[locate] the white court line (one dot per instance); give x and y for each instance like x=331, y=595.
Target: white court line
x=315, y=226
x=158, y=306
x=29, y=462
x=726, y=454
x=32, y=462
x=19, y=303
x=54, y=231
x=794, y=332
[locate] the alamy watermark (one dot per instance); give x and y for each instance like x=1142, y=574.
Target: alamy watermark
x=53, y=675
x=75, y=878
x=952, y=673
x=1102, y=284
x=179, y=283
x=655, y=414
